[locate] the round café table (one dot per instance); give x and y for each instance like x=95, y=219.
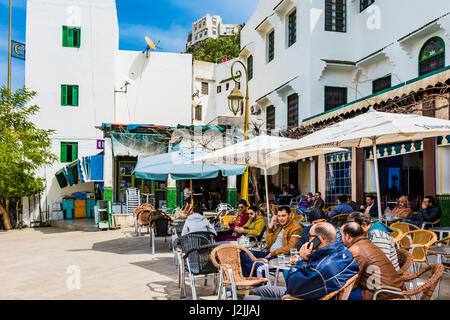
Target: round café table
x=275, y=264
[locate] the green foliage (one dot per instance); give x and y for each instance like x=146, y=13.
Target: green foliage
x=211, y=50
x=23, y=147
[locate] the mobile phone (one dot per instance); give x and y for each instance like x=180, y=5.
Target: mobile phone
x=314, y=243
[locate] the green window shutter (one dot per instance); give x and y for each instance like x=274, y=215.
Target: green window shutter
x=63, y=152
x=70, y=37
x=65, y=36
x=75, y=96
x=76, y=37
x=64, y=95
x=74, y=151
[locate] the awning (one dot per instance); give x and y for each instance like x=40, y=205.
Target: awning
x=405, y=88
x=138, y=144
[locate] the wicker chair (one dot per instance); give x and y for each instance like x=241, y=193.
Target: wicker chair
x=423, y=292
x=329, y=209
x=227, y=258
x=401, y=241
x=339, y=219
x=419, y=242
x=341, y=294
x=161, y=226
x=432, y=224
x=185, y=244
x=396, y=236
x=405, y=260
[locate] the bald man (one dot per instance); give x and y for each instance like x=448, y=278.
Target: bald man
x=324, y=266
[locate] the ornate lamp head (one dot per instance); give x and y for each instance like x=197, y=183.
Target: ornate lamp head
x=235, y=101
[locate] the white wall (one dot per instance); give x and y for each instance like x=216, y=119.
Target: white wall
x=161, y=92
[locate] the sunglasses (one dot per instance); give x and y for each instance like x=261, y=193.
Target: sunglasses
x=241, y=207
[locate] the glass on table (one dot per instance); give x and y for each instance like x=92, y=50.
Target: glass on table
x=294, y=254
x=281, y=259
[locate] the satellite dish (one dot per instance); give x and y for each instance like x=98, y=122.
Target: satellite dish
x=150, y=44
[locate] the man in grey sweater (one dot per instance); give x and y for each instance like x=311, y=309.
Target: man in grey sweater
x=197, y=222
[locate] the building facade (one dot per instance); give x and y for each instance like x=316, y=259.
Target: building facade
x=312, y=61
x=210, y=26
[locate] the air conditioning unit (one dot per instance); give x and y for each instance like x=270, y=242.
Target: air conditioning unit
x=255, y=109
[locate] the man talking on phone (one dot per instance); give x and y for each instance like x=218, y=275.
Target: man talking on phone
x=324, y=266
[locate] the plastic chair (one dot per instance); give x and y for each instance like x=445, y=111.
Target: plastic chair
x=341, y=294
x=294, y=202
x=419, y=242
x=161, y=226
x=193, y=251
x=432, y=224
x=423, y=292
x=339, y=219
x=227, y=258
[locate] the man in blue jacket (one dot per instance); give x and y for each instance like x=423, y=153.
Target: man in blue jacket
x=324, y=266
x=341, y=208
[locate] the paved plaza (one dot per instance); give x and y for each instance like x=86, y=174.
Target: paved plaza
x=43, y=263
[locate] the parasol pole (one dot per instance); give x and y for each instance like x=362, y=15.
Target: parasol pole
x=192, y=195
x=267, y=196
x=377, y=179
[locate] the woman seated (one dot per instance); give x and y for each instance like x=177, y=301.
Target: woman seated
x=403, y=209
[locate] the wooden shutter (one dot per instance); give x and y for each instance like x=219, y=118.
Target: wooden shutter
x=63, y=157
x=64, y=95
x=335, y=15
x=250, y=67
x=270, y=117
x=292, y=115
x=335, y=97
x=292, y=28
x=271, y=44
x=74, y=96
x=65, y=37
x=74, y=151
x=381, y=84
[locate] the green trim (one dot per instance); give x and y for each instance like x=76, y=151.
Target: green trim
x=229, y=79
x=68, y=37
x=444, y=203
x=232, y=197
x=65, y=92
x=432, y=56
x=381, y=92
x=171, y=197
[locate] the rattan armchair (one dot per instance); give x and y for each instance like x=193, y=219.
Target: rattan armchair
x=423, y=292
x=341, y=294
x=405, y=260
x=419, y=242
x=339, y=219
x=430, y=223
x=227, y=258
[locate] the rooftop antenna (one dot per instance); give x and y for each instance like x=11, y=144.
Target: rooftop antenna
x=150, y=45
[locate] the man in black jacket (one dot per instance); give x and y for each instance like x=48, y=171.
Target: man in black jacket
x=430, y=212
x=371, y=207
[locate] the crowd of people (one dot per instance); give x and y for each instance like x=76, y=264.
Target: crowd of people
x=328, y=255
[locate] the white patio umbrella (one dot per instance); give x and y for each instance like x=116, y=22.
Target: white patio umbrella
x=257, y=152
x=370, y=129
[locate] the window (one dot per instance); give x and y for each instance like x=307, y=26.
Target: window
x=69, y=95
x=250, y=67
x=69, y=152
x=381, y=84
x=219, y=89
x=292, y=28
x=71, y=37
x=364, y=4
x=335, y=15
x=292, y=114
x=335, y=97
x=271, y=46
x=270, y=117
x=338, y=176
x=432, y=56
x=205, y=88
x=198, y=113
x=227, y=86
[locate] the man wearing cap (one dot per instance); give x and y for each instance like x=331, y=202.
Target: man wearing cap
x=239, y=221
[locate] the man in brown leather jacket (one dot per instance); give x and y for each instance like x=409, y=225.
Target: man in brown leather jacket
x=376, y=269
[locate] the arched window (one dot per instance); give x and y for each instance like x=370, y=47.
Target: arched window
x=432, y=56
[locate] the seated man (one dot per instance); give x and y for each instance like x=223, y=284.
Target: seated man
x=430, y=212
x=371, y=207
x=376, y=269
x=379, y=234
x=196, y=222
x=253, y=227
x=241, y=219
x=318, y=201
x=282, y=235
x=324, y=267
x=341, y=208
x=353, y=204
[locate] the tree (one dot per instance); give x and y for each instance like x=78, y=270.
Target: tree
x=23, y=149
x=211, y=50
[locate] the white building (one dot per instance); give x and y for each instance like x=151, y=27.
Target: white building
x=83, y=80
x=310, y=57
x=210, y=27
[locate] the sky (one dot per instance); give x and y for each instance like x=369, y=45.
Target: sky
x=167, y=21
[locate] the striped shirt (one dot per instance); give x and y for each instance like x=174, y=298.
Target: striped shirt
x=385, y=242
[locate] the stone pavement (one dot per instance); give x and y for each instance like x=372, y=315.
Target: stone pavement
x=43, y=263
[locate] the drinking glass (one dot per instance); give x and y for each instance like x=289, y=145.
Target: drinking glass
x=294, y=252
x=281, y=259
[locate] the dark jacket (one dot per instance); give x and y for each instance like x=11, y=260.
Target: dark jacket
x=430, y=214
x=373, y=211
x=318, y=203
x=327, y=270
x=305, y=235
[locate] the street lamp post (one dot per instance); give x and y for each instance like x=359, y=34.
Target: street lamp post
x=235, y=104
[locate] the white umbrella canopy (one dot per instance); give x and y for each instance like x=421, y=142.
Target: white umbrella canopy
x=370, y=129
x=258, y=152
